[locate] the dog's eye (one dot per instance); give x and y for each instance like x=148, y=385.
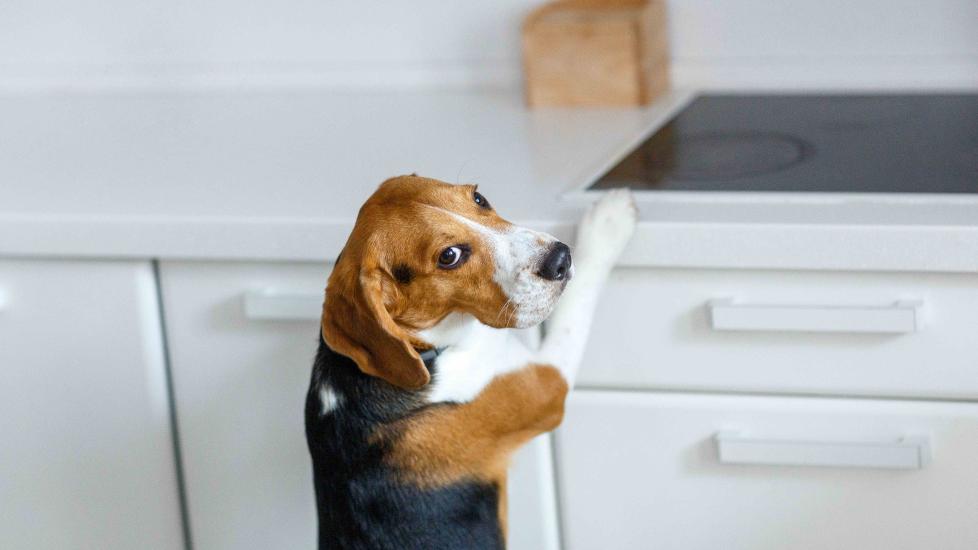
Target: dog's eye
x=452, y=257
x=480, y=200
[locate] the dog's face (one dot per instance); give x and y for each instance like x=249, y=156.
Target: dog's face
x=422, y=249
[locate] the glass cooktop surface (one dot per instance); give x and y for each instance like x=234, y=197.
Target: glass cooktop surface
x=810, y=143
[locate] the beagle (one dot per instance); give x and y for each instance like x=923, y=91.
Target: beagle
x=418, y=398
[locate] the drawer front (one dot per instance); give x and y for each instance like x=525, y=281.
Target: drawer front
x=242, y=340
x=645, y=470
x=790, y=332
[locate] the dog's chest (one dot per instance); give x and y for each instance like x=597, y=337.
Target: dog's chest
x=464, y=369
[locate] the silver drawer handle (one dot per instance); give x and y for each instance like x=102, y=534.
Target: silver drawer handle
x=909, y=453
x=274, y=305
x=900, y=317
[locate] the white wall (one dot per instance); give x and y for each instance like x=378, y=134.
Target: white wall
x=265, y=42
x=837, y=43
x=369, y=43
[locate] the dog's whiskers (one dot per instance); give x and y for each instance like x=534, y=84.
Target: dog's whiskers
x=503, y=310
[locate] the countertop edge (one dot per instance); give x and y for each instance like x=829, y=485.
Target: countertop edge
x=656, y=244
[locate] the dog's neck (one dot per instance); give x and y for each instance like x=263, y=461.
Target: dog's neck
x=451, y=331
x=472, y=355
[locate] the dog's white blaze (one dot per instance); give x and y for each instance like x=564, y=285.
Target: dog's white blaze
x=329, y=399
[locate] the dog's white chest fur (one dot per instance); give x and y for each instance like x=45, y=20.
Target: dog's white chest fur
x=474, y=355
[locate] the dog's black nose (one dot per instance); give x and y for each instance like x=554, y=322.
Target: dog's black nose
x=557, y=263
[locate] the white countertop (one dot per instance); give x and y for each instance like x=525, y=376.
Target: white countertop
x=280, y=176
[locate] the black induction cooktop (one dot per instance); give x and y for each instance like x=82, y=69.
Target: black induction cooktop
x=810, y=143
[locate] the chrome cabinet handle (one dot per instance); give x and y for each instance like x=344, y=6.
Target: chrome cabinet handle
x=275, y=305
x=900, y=317
x=909, y=453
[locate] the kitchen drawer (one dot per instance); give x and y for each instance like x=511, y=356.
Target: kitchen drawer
x=242, y=339
x=789, y=332
x=642, y=470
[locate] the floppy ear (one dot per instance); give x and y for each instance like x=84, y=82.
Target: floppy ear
x=356, y=324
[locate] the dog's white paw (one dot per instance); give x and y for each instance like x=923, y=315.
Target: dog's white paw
x=606, y=229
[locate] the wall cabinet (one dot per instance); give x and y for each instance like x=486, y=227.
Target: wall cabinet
x=86, y=459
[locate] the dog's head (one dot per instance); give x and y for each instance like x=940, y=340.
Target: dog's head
x=420, y=250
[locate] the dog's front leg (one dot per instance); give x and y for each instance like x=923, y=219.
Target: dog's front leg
x=601, y=237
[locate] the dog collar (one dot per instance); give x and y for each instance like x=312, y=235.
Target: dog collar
x=428, y=356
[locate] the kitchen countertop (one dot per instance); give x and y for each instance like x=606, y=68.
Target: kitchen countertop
x=280, y=175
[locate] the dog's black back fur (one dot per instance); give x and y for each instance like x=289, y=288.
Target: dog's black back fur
x=362, y=502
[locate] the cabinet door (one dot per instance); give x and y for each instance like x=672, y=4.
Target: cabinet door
x=533, y=519
x=86, y=459
x=241, y=370
x=645, y=470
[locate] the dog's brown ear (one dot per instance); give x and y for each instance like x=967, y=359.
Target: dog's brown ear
x=356, y=323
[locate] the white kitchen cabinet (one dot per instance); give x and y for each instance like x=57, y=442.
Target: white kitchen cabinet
x=86, y=459
x=242, y=339
x=813, y=332
x=642, y=471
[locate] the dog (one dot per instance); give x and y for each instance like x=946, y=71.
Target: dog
x=418, y=398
